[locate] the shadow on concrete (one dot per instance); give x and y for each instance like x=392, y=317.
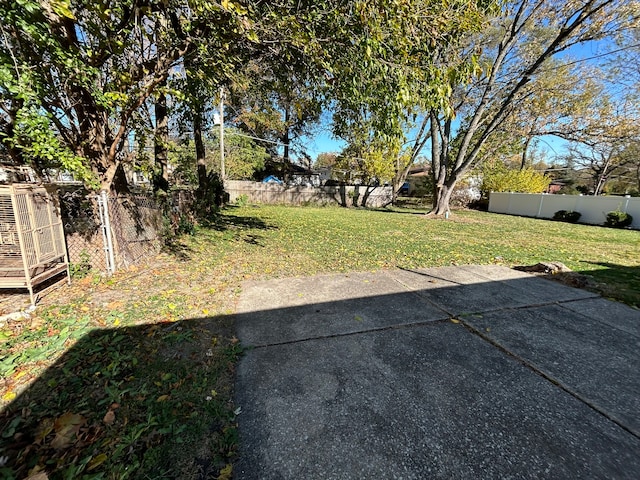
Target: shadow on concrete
x=442, y=373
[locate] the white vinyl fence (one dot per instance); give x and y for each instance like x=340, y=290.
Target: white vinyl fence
x=542, y=205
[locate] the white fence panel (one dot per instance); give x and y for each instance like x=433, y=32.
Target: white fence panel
x=552, y=203
x=633, y=209
x=593, y=210
x=521, y=202
x=499, y=202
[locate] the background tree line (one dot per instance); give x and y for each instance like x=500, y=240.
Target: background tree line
x=94, y=86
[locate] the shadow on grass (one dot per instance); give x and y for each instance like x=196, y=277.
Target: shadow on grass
x=617, y=281
x=221, y=223
x=227, y=221
x=398, y=211
x=178, y=249
x=127, y=403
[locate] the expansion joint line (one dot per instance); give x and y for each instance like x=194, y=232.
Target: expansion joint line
x=546, y=376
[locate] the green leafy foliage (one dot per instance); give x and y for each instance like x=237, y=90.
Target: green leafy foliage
x=567, y=216
x=618, y=219
x=499, y=178
x=243, y=157
x=82, y=268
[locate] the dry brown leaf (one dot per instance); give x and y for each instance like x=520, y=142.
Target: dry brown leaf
x=45, y=427
x=109, y=418
x=66, y=427
x=38, y=476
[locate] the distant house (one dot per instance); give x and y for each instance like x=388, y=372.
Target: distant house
x=555, y=186
x=417, y=178
x=291, y=173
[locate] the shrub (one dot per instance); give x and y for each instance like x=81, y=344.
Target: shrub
x=618, y=219
x=82, y=268
x=499, y=178
x=567, y=216
x=242, y=200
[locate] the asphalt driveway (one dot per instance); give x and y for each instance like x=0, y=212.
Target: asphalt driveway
x=456, y=372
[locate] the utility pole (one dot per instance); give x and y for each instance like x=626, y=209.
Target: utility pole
x=222, y=172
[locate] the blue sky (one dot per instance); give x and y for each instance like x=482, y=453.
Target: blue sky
x=323, y=142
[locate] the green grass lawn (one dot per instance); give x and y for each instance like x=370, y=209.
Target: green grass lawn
x=299, y=241
x=132, y=376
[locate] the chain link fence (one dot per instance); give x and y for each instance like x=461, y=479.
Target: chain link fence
x=138, y=224
x=81, y=222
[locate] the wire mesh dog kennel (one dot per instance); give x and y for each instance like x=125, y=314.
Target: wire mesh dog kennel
x=32, y=244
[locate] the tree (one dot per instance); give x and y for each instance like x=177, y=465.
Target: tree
x=607, y=161
x=102, y=64
x=97, y=71
x=80, y=76
x=279, y=104
x=243, y=157
x=325, y=160
x=513, y=51
x=497, y=177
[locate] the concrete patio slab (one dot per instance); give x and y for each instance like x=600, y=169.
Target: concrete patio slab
x=586, y=356
x=370, y=376
x=614, y=314
x=361, y=302
x=433, y=401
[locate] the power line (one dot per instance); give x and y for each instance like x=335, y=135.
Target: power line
x=231, y=132
x=622, y=49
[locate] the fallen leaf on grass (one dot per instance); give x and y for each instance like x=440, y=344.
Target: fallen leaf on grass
x=38, y=476
x=96, y=461
x=226, y=473
x=66, y=427
x=162, y=398
x=109, y=418
x=45, y=427
x=9, y=396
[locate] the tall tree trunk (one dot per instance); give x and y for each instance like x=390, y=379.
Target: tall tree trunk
x=525, y=151
x=602, y=176
x=200, y=148
x=443, y=184
x=285, y=141
x=161, y=142
x=442, y=198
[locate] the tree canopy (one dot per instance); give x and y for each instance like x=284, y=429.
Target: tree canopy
x=78, y=76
